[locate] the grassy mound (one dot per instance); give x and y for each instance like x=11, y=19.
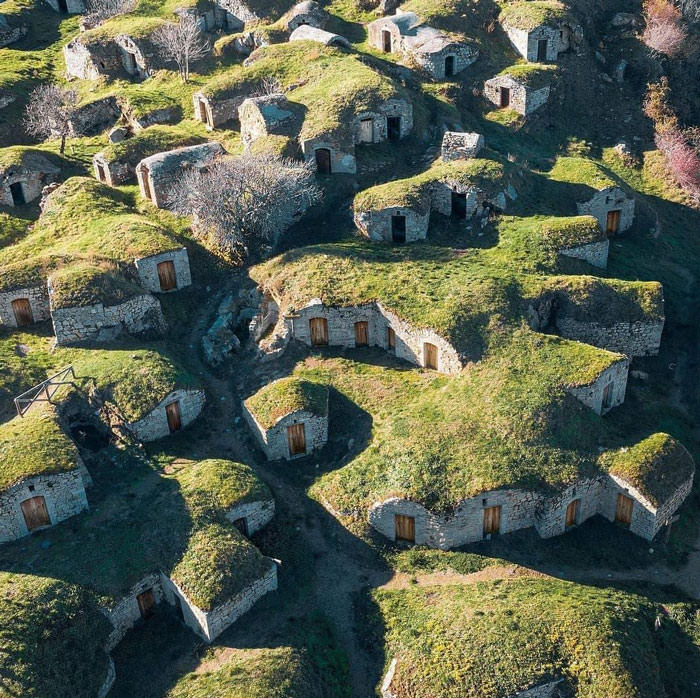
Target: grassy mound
x=285, y=396
x=533, y=13
x=532, y=75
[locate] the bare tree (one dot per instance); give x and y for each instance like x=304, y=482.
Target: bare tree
x=665, y=32
x=50, y=113
x=182, y=42
x=244, y=203
x=97, y=11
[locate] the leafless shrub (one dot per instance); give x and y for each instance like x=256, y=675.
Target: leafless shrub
x=682, y=160
x=244, y=203
x=97, y=11
x=268, y=86
x=665, y=32
x=182, y=42
x=690, y=9
x=49, y=113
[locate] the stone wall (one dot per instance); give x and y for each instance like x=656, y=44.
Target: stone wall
x=477, y=200
x=376, y=225
x=91, y=62
x=398, y=108
x=591, y=395
x=74, y=7
x=256, y=514
x=433, y=62
x=460, y=146
x=147, y=268
x=670, y=506
x=32, y=183
x=145, y=57
x=218, y=111
x=155, y=424
x=525, y=42
x=9, y=33
x=631, y=338
x=544, y=690
x=94, y=117
x=409, y=341
x=551, y=514
x=606, y=200
x=274, y=441
x=64, y=494
x=595, y=253
x=238, y=14
x=139, y=316
x=342, y=155
x=266, y=115
x=115, y=172
x=523, y=99
x=38, y=298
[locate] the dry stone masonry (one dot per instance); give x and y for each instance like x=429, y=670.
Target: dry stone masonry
x=155, y=424
x=611, y=207
x=156, y=281
x=508, y=91
x=460, y=146
x=23, y=181
x=15, y=303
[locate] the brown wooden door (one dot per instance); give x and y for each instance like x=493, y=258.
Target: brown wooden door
x=361, y=334
x=572, y=513
x=505, y=97
x=318, y=327
x=166, y=276
x=241, y=525
x=146, y=601
x=323, y=160
x=101, y=173
x=430, y=356
x=623, y=511
x=492, y=520
x=297, y=439
x=22, y=311
x=145, y=175
x=612, y=222
x=405, y=527
x=172, y=412
x=35, y=513
x=607, y=396
x=391, y=337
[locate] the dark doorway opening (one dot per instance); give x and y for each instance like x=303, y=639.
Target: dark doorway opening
x=393, y=128
x=505, y=96
x=241, y=525
x=449, y=66
x=398, y=228
x=386, y=41
x=17, y=193
x=63, y=7
x=459, y=205
x=542, y=51
x=323, y=160
x=101, y=173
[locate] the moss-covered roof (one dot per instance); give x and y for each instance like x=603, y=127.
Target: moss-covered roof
x=532, y=75
x=656, y=467
x=563, y=233
x=134, y=379
x=581, y=171
x=34, y=445
x=498, y=638
x=22, y=157
x=52, y=636
x=530, y=14
x=287, y=395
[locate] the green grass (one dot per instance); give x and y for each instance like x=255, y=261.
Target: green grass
x=532, y=75
x=493, y=639
x=533, y=14
x=285, y=396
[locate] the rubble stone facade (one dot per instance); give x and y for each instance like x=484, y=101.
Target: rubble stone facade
x=521, y=98
x=595, y=253
x=154, y=425
x=632, y=338
x=341, y=153
x=20, y=184
x=460, y=146
x=255, y=514
x=373, y=127
x=38, y=299
x=147, y=268
x=606, y=391
x=603, y=203
x=378, y=225
x=526, y=43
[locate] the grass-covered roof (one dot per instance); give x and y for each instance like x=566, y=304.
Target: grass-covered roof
x=563, y=233
x=34, y=445
x=135, y=380
x=530, y=14
x=577, y=170
x=532, y=75
x=287, y=395
x=24, y=157
x=52, y=636
x=498, y=638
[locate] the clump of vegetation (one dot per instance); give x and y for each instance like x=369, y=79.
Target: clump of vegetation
x=285, y=396
x=534, y=13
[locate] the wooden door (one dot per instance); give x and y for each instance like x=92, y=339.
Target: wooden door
x=430, y=356
x=17, y=193
x=449, y=66
x=323, y=160
x=145, y=174
x=296, y=436
x=386, y=41
x=146, y=601
x=607, y=396
x=612, y=222
x=242, y=525
x=393, y=128
x=366, y=131
x=203, y=114
x=35, y=513
x=318, y=327
x=172, y=411
x=22, y=311
x=542, y=51
x=572, y=513
x=361, y=334
x=391, y=338
x=492, y=520
x=623, y=511
x=505, y=97
x=166, y=276
x=101, y=173
x=398, y=228
x=405, y=527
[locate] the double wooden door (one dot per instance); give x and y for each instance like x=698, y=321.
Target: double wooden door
x=172, y=412
x=22, y=311
x=318, y=329
x=296, y=436
x=405, y=528
x=166, y=276
x=623, y=510
x=492, y=520
x=361, y=334
x=35, y=513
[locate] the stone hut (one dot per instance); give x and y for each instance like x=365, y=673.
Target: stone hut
x=24, y=172
x=460, y=146
x=307, y=13
x=289, y=417
x=607, y=389
x=238, y=14
x=611, y=207
x=21, y=307
x=177, y=410
x=112, y=172
x=523, y=89
x=9, y=33
x=165, y=271
x=138, y=55
x=437, y=53
x=67, y=7
x=44, y=477
x=157, y=173
x=642, y=502
x=577, y=237
x=404, y=220
x=266, y=116
x=540, y=30
x=331, y=153
x=320, y=36
x=392, y=120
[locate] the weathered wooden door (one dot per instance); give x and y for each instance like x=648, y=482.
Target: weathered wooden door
x=393, y=128
x=166, y=276
x=612, y=222
x=386, y=41
x=572, y=513
x=296, y=437
x=542, y=51
x=430, y=356
x=398, y=228
x=449, y=66
x=318, y=328
x=459, y=205
x=492, y=520
x=505, y=96
x=146, y=601
x=391, y=338
x=17, y=193
x=405, y=527
x=35, y=513
x=242, y=525
x=101, y=173
x=145, y=175
x=361, y=334
x=172, y=411
x=323, y=160
x=203, y=114
x=607, y=396
x=366, y=131
x=623, y=511
x=22, y=311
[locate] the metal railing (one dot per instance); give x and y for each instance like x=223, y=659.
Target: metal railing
x=44, y=391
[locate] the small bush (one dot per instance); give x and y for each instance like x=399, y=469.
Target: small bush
x=682, y=160
x=665, y=31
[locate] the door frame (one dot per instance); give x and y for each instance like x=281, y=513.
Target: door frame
x=171, y=265
x=576, y=505
x=624, y=502
x=323, y=322
x=393, y=128
x=504, y=96
x=616, y=213
x=410, y=521
x=45, y=509
x=428, y=349
x=450, y=60
x=168, y=409
x=361, y=326
x=387, y=41
x=496, y=508
x=327, y=165
x=398, y=235
x=15, y=187
x=13, y=303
